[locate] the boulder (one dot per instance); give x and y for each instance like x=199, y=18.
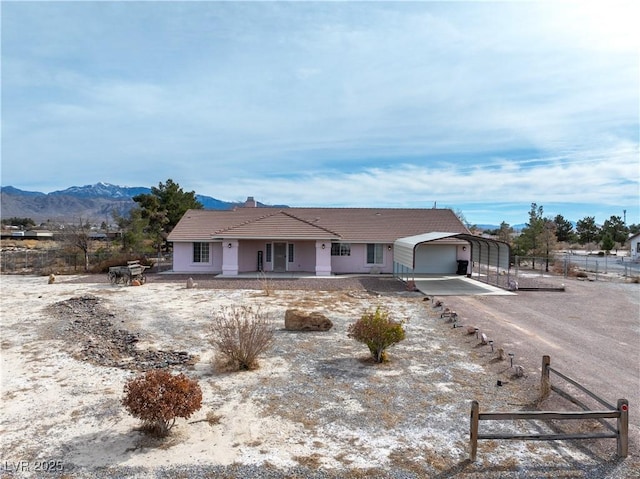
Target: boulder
x=297, y=320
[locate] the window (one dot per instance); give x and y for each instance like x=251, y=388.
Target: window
x=267, y=253
x=200, y=252
x=340, y=249
x=290, y=252
x=374, y=253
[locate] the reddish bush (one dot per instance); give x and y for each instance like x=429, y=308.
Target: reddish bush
x=159, y=397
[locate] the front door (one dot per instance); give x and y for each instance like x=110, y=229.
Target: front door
x=279, y=257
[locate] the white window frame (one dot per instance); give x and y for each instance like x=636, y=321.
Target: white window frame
x=340, y=249
x=378, y=253
x=204, y=253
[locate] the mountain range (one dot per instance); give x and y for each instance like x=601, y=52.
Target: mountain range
x=95, y=203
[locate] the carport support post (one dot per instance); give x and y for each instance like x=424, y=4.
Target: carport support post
x=623, y=428
x=545, y=382
x=473, y=433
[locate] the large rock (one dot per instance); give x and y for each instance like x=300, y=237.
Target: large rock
x=297, y=320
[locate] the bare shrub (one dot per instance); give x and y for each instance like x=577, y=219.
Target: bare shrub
x=158, y=397
x=241, y=334
x=378, y=331
x=266, y=283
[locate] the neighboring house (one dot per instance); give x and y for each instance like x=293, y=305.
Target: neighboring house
x=634, y=245
x=322, y=241
x=39, y=234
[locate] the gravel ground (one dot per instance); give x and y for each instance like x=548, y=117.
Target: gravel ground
x=351, y=414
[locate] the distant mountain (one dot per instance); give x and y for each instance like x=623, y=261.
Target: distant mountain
x=518, y=227
x=95, y=203
x=102, y=190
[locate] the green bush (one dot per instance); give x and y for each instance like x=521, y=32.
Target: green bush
x=378, y=331
x=159, y=397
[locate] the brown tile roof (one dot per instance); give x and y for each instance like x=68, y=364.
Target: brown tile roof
x=357, y=225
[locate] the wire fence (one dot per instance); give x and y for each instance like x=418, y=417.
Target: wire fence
x=64, y=261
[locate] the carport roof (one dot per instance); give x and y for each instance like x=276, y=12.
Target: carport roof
x=483, y=250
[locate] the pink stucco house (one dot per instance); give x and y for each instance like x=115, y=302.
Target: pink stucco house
x=321, y=241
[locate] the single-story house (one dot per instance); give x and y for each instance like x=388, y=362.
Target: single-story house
x=321, y=241
x=634, y=245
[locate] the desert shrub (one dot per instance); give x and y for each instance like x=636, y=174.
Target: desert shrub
x=378, y=331
x=159, y=397
x=266, y=283
x=241, y=334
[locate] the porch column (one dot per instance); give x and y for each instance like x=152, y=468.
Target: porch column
x=230, y=257
x=323, y=258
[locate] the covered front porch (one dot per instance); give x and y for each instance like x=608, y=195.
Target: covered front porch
x=276, y=256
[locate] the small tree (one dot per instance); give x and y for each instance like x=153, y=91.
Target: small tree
x=241, y=334
x=378, y=331
x=607, y=243
x=159, y=397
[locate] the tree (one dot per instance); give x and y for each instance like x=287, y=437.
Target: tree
x=166, y=204
x=132, y=229
x=158, y=398
x=634, y=228
x=616, y=229
x=78, y=237
x=564, y=229
x=378, y=331
x=607, y=243
x=505, y=233
x=529, y=241
x=163, y=208
x=23, y=223
x=587, y=230
x=549, y=240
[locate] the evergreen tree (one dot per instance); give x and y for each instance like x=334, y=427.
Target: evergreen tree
x=607, y=242
x=530, y=242
x=163, y=208
x=564, y=229
x=587, y=230
x=616, y=229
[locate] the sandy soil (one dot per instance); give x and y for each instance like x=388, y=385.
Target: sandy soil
x=315, y=404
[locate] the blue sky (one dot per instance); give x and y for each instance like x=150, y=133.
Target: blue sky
x=481, y=107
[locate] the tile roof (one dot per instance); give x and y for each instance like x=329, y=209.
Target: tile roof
x=382, y=225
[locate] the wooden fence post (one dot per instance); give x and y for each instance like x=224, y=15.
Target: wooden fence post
x=545, y=382
x=473, y=433
x=623, y=428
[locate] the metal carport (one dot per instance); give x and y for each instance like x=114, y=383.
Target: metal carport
x=489, y=258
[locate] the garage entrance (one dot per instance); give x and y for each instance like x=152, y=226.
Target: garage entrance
x=444, y=254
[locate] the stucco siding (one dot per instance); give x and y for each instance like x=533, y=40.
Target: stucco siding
x=357, y=261
x=183, y=259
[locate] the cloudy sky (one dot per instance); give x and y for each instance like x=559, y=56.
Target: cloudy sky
x=481, y=107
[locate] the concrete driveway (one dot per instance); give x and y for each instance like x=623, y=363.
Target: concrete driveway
x=454, y=285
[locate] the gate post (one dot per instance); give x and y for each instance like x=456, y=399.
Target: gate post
x=623, y=428
x=473, y=433
x=545, y=382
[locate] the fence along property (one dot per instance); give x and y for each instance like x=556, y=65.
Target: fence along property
x=620, y=412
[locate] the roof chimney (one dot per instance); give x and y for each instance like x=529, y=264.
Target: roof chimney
x=250, y=203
